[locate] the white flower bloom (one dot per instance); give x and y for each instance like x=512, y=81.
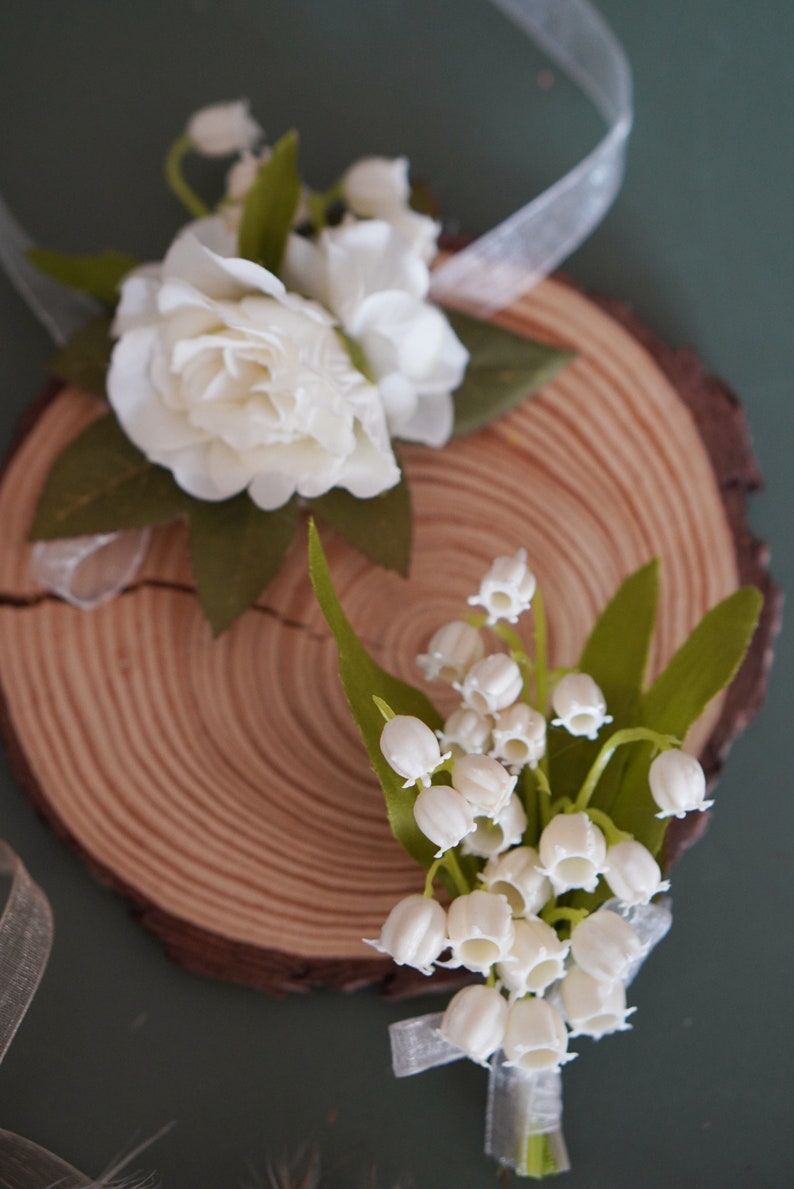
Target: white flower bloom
x=519, y=736
x=678, y=784
x=535, y=1037
x=506, y=590
x=516, y=876
x=633, y=873
x=414, y=934
x=480, y=930
x=410, y=748
x=475, y=1021
x=223, y=128
x=492, y=836
x=485, y=784
x=372, y=280
x=580, y=705
x=594, y=1008
x=572, y=852
x=466, y=731
x=444, y=816
x=234, y=384
x=453, y=650
x=605, y=946
x=378, y=188
x=492, y=684
x=536, y=959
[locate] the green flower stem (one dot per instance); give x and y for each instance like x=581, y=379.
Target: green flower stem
x=173, y=175
x=432, y=871
x=544, y=797
x=574, y=915
x=541, y=669
x=619, y=739
x=611, y=832
x=537, y=1160
x=449, y=860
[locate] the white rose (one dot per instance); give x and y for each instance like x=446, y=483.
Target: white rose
x=234, y=384
x=369, y=276
x=223, y=128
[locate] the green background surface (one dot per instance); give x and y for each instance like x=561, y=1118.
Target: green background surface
x=119, y=1041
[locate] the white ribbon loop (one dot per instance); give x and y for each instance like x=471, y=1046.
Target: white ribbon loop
x=651, y=922
x=89, y=571
x=25, y=941
x=417, y=1045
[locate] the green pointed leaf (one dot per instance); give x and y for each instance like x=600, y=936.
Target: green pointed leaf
x=380, y=528
x=270, y=206
x=361, y=678
x=504, y=369
x=235, y=550
x=99, y=274
x=101, y=483
x=84, y=360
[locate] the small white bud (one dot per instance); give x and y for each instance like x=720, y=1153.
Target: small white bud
x=633, y=873
x=410, y=748
x=605, y=946
x=572, y=852
x=241, y=176
x=466, y=731
x=593, y=1008
x=452, y=651
x=375, y=187
x=475, y=1021
x=480, y=930
x=414, y=934
x=485, y=784
x=536, y=1037
x=516, y=876
x=678, y=784
x=580, y=705
x=536, y=959
x=444, y=816
x=519, y=736
x=506, y=590
x=492, y=684
x=492, y=836
x=223, y=128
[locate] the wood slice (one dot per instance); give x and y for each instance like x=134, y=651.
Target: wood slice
x=221, y=785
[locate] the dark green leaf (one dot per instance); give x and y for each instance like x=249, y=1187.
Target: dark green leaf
x=504, y=369
x=361, y=678
x=102, y=483
x=270, y=206
x=85, y=359
x=357, y=355
x=99, y=274
x=235, y=550
x=379, y=528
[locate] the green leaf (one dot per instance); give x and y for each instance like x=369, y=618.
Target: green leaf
x=380, y=528
x=270, y=206
x=101, y=483
x=504, y=369
x=235, y=550
x=99, y=273
x=84, y=360
x=361, y=678
x=356, y=354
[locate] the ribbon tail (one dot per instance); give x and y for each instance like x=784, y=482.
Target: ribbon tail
x=89, y=571
x=417, y=1045
x=26, y=930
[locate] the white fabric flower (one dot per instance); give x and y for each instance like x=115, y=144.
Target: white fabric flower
x=580, y=705
x=485, y=784
x=492, y=684
x=480, y=931
x=378, y=188
x=223, y=128
x=371, y=279
x=516, y=876
x=605, y=946
x=234, y=384
x=594, y=1008
x=572, y=852
x=410, y=748
x=506, y=590
x=536, y=959
x=466, y=731
x=633, y=873
x=519, y=736
x=678, y=784
x=444, y=816
x=492, y=836
x=535, y=1037
x=414, y=933
x=452, y=651
x=475, y=1021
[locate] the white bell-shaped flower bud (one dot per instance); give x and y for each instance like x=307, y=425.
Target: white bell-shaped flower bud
x=414, y=934
x=605, y=946
x=466, y=732
x=633, y=873
x=535, y=1037
x=536, y=959
x=374, y=187
x=492, y=684
x=410, y=748
x=515, y=875
x=223, y=128
x=519, y=736
x=475, y=1021
x=580, y=705
x=506, y=590
x=452, y=651
x=444, y=816
x=480, y=930
x=593, y=1008
x=492, y=836
x=678, y=784
x=485, y=784
x=572, y=852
